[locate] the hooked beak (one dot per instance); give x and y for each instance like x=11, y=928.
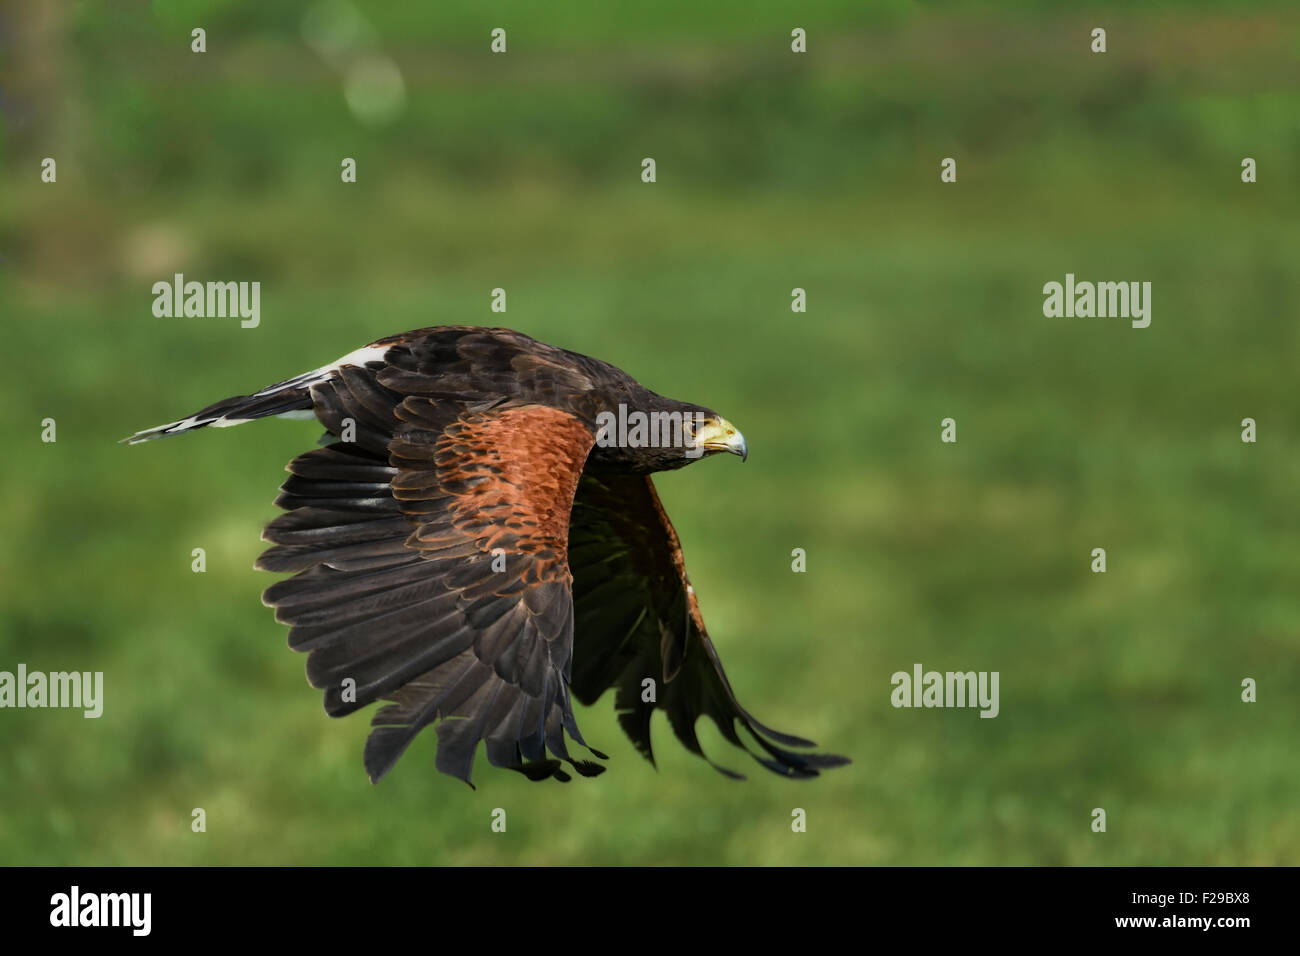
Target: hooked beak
x=718, y=434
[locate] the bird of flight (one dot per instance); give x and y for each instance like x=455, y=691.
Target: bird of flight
x=471, y=547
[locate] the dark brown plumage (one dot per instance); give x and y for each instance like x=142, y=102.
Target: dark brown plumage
x=471, y=547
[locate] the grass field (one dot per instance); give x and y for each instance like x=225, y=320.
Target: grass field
x=1118, y=690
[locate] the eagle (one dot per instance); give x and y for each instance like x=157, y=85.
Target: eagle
x=477, y=538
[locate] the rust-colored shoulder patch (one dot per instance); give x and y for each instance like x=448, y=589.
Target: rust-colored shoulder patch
x=512, y=475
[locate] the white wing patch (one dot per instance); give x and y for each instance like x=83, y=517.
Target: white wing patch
x=371, y=353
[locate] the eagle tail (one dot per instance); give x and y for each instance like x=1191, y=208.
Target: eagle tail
x=288, y=399
x=292, y=403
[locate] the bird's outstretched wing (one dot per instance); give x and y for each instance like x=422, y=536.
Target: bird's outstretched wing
x=430, y=560
x=637, y=618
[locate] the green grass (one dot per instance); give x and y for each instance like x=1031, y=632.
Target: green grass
x=1118, y=690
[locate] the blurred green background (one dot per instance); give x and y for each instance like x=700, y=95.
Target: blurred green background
x=775, y=171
